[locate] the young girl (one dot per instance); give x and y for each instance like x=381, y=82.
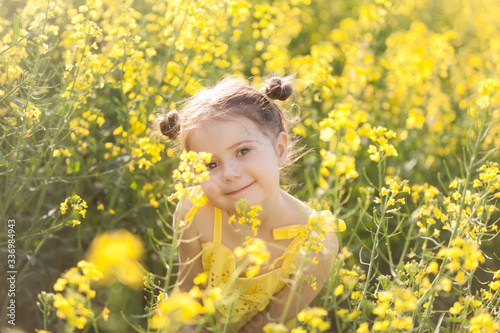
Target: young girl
x=245, y=130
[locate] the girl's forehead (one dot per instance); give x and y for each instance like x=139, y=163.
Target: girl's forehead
x=223, y=134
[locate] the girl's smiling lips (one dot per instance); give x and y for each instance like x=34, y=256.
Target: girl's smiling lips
x=240, y=190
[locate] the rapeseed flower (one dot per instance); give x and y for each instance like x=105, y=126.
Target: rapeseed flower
x=256, y=251
x=117, y=255
x=275, y=328
x=175, y=311
x=77, y=204
x=75, y=284
x=483, y=322
x=314, y=318
x=246, y=216
x=192, y=170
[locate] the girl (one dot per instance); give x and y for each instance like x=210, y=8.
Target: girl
x=245, y=130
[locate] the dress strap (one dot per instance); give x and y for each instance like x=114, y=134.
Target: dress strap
x=217, y=235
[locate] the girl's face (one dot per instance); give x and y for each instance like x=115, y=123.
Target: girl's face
x=245, y=162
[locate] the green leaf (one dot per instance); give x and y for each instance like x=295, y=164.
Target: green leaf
x=15, y=101
x=3, y=161
x=15, y=34
x=455, y=320
x=77, y=166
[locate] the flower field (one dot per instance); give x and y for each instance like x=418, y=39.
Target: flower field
x=398, y=108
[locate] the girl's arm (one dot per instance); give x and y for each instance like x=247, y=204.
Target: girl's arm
x=274, y=311
x=188, y=247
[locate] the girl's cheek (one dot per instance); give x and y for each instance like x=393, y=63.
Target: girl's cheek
x=209, y=186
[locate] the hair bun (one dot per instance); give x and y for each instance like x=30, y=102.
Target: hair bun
x=169, y=124
x=278, y=88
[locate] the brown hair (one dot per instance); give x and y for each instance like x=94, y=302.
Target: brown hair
x=228, y=99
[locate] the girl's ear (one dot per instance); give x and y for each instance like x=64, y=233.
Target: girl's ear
x=282, y=148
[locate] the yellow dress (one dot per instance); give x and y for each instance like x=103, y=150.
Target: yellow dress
x=254, y=293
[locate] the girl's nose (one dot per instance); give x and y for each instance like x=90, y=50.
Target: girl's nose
x=232, y=170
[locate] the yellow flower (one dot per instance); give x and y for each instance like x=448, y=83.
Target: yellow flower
x=64, y=206
x=494, y=285
x=275, y=328
x=339, y=290
x=105, y=313
x=200, y=278
x=405, y=323
x=490, y=171
x=76, y=286
x=456, y=309
x=356, y=295
x=363, y=328
x=60, y=284
x=176, y=310
x=118, y=130
x=446, y=284
x=432, y=267
x=252, y=271
x=381, y=309
x=381, y=325
x=483, y=322
x=192, y=167
x=313, y=317
x=326, y=134
x=117, y=254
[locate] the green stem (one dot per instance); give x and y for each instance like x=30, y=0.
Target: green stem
x=372, y=256
x=298, y=279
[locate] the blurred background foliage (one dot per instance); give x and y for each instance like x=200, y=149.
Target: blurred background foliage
x=82, y=81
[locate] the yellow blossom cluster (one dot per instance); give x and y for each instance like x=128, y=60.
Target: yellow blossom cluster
x=494, y=285
x=314, y=233
x=463, y=254
x=174, y=311
x=342, y=131
x=117, y=255
x=256, y=251
x=484, y=323
x=461, y=208
x=77, y=204
x=80, y=81
x=489, y=174
x=247, y=216
x=192, y=168
x=388, y=194
x=392, y=308
x=75, y=285
x=277, y=328
x=381, y=136
x=314, y=319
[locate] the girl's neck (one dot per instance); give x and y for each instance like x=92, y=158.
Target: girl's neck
x=272, y=217
x=285, y=210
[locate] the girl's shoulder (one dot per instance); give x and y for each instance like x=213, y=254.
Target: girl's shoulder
x=299, y=211
x=193, y=211
x=306, y=216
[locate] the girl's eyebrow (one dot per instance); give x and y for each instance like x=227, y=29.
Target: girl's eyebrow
x=239, y=143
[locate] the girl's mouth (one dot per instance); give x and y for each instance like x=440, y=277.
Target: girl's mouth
x=240, y=190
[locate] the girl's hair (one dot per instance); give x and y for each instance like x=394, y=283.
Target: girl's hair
x=229, y=99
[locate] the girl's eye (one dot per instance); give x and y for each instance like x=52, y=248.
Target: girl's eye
x=211, y=165
x=243, y=151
